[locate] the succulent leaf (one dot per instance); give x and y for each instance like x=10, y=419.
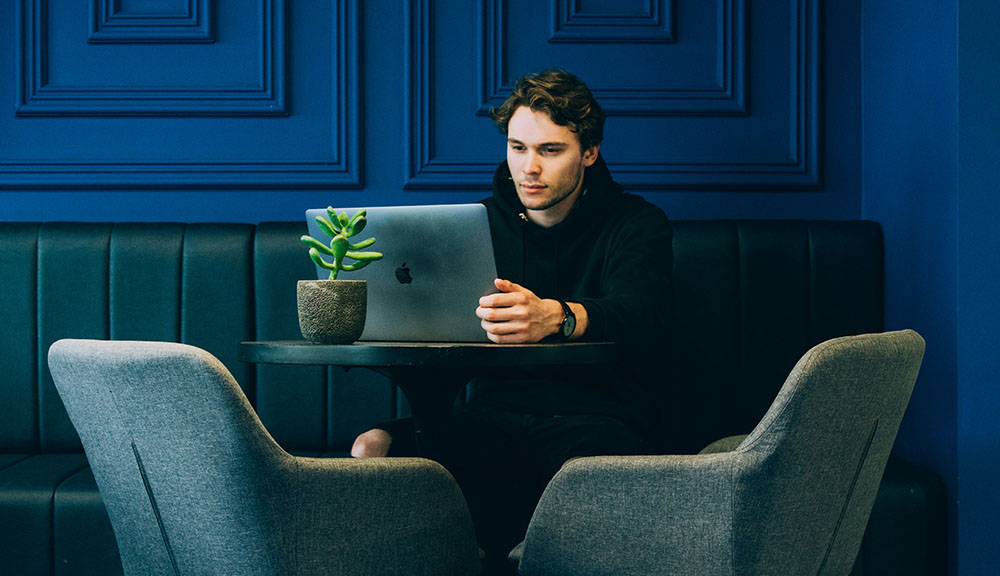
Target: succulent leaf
x=334, y=219
x=314, y=243
x=354, y=219
x=358, y=226
x=314, y=255
x=362, y=244
x=327, y=226
x=356, y=266
x=365, y=255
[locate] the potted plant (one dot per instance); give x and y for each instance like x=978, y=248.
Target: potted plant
x=333, y=311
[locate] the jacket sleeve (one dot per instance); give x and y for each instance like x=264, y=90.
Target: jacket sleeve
x=633, y=304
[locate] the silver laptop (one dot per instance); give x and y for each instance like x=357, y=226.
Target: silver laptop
x=438, y=262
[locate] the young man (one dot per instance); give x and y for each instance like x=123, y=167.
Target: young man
x=578, y=258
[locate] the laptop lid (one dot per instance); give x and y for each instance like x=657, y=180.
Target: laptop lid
x=438, y=261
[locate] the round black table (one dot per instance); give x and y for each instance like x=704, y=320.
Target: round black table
x=430, y=374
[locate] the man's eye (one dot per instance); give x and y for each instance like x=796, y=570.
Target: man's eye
x=552, y=151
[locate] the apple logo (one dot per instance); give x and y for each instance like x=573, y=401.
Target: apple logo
x=403, y=274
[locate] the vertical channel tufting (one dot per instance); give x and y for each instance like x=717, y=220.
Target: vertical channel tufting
x=846, y=279
x=19, y=337
x=774, y=282
x=217, y=295
x=706, y=335
x=145, y=281
x=291, y=400
x=72, y=303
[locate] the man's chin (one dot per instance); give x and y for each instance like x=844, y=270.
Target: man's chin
x=536, y=203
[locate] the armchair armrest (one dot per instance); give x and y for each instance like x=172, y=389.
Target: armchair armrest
x=628, y=515
x=727, y=444
x=379, y=509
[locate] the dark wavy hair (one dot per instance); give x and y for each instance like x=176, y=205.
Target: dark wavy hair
x=561, y=95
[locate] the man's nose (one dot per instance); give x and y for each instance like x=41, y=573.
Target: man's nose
x=531, y=164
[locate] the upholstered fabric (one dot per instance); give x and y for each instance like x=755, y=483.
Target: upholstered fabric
x=792, y=498
x=749, y=298
x=194, y=484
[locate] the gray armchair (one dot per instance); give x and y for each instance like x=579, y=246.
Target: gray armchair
x=194, y=484
x=792, y=498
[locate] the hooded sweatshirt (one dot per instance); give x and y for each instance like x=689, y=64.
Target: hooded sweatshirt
x=612, y=254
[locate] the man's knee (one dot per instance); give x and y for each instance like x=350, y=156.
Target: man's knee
x=372, y=444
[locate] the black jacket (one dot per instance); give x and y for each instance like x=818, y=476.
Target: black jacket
x=612, y=254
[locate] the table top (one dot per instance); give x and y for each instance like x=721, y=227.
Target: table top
x=455, y=354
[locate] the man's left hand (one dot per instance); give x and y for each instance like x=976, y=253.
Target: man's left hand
x=517, y=315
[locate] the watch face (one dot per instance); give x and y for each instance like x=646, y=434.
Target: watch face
x=569, y=325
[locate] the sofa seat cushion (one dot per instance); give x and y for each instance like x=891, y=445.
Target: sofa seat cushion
x=909, y=514
x=51, y=516
x=84, y=541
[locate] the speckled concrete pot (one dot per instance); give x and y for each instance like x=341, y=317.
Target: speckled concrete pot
x=332, y=311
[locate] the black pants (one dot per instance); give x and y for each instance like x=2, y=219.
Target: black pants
x=503, y=460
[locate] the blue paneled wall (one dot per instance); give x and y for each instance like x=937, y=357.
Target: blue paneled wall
x=249, y=111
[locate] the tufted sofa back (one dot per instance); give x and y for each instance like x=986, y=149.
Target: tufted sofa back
x=209, y=285
x=749, y=297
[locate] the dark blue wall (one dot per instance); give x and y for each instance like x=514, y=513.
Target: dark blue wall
x=910, y=171
x=931, y=159
x=717, y=108
x=978, y=285
x=248, y=111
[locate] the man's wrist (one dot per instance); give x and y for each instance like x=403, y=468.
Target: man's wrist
x=582, y=320
x=565, y=321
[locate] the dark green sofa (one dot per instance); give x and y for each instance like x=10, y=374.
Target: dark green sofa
x=757, y=293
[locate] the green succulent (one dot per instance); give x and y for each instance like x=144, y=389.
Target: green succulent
x=340, y=228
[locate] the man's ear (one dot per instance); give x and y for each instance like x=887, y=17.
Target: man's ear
x=590, y=155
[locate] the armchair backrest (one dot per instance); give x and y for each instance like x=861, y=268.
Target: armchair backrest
x=806, y=477
x=186, y=470
x=194, y=484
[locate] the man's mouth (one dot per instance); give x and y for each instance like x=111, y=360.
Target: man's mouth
x=532, y=186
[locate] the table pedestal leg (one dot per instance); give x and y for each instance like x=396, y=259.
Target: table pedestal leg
x=431, y=393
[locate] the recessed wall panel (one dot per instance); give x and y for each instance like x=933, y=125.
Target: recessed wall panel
x=179, y=21
x=731, y=101
x=163, y=114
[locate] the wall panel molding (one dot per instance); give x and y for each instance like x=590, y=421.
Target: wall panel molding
x=571, y=24
x=340, y=169
x=39, y=96
x=422, y=170
x=191, y=23
x=797, y=168
x=726, y=97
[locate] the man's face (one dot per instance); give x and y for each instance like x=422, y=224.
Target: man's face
x=545, y=159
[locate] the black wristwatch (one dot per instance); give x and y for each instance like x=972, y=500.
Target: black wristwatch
x=568, y=324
